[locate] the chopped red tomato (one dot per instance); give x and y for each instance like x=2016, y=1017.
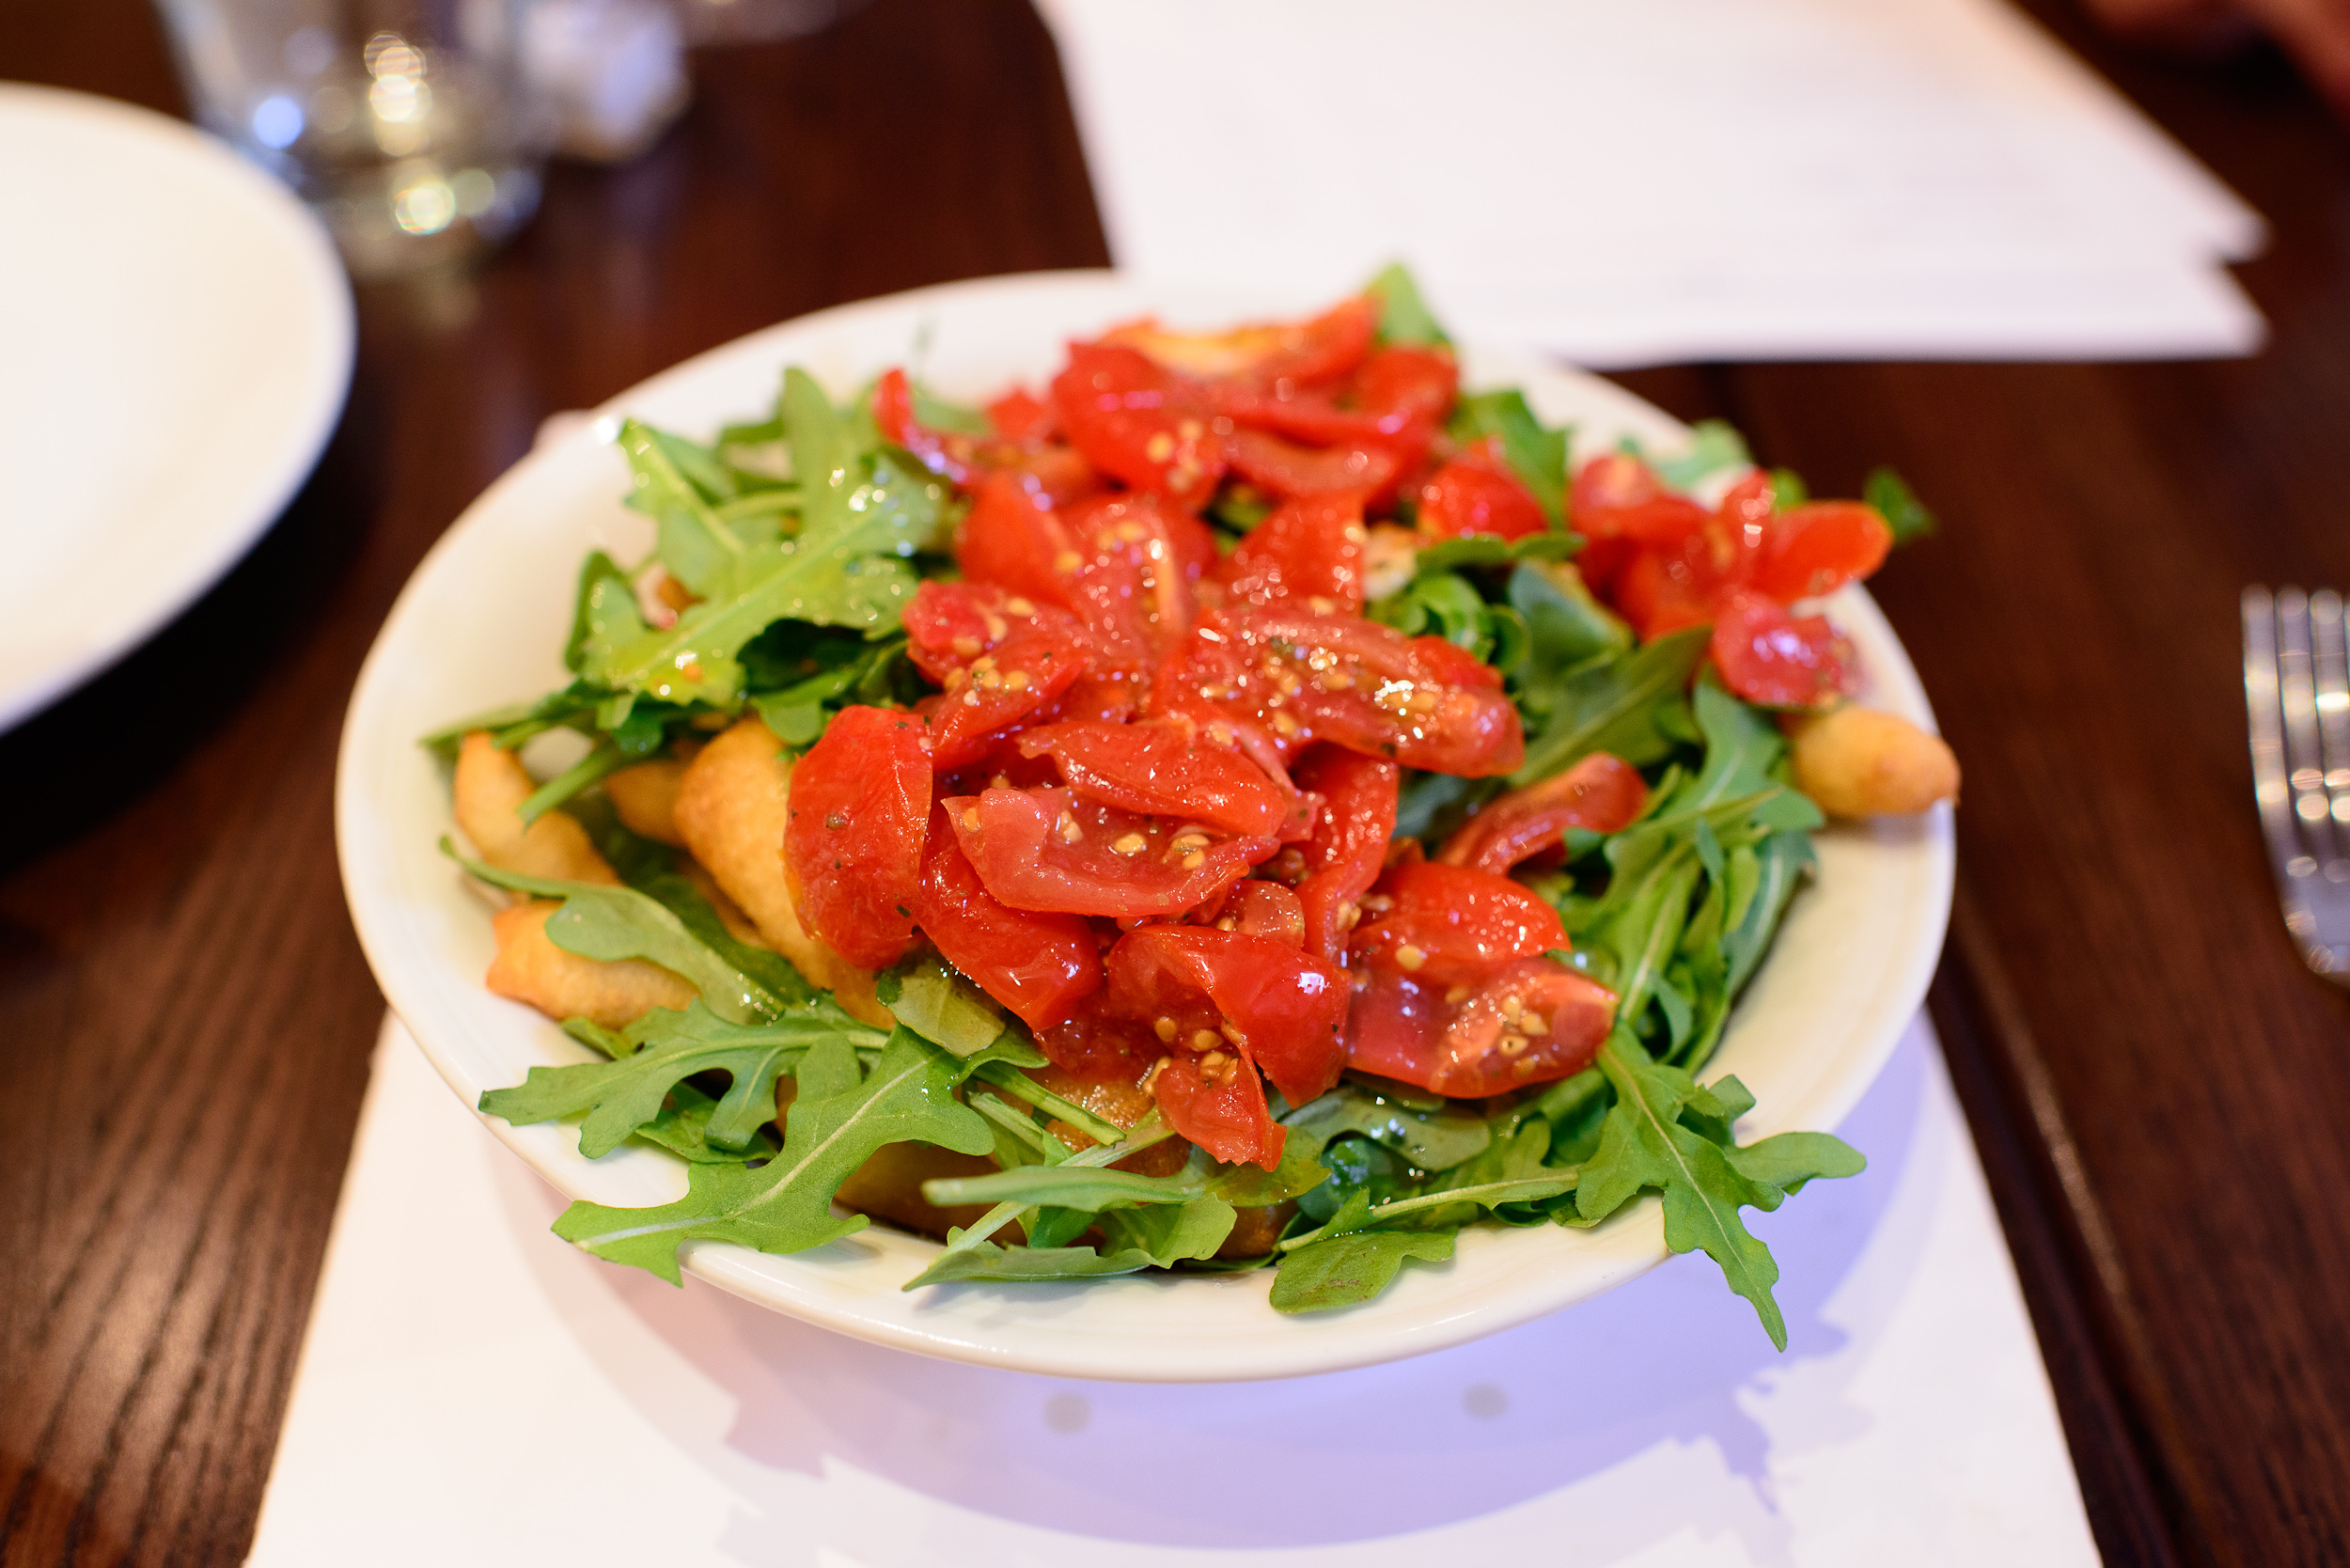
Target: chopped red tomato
x=1529, y=1021
x=1053, y=474
x=1129, y=575
x=858, y=813
x=1603, y=793
x=1165, y=768
x=1477, y=493
x=1349, y=840
x=1286, y=469
x=1770, y=657
x=1266, y=909
x=1024, y=673
x=1818, y=547
x=1419, y=701
x=1448, y=925
x=1010, y=540
x=1217, y=1102
x=1021, y=415
x=948, y=625
x=1277, y=356
x=1139, y=422
x=1039, y=965
x=1205, y=990
x=1053, y=850
x=1305, y=550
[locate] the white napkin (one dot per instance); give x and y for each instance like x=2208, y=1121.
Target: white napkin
x=472, y=1391
x=1665, y=180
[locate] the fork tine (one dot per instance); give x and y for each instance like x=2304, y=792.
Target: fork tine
x=2296, y=695
x=2330, y=661
x=2270, y=788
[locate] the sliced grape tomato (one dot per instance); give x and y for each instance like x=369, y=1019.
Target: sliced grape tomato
x=1054, y=850
x=857, y=813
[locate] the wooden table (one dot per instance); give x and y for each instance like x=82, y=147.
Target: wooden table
x=2159, y=1091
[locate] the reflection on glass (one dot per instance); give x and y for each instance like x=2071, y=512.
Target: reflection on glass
x=409, y=125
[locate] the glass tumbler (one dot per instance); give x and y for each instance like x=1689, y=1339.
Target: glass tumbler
x=409, y=126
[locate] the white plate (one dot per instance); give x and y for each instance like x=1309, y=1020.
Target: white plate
x=484, y=619
x=174, y=344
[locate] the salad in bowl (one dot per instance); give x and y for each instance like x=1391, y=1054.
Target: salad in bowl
x=1242, y=803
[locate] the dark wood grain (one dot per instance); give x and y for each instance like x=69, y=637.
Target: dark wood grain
x=2154, y=1084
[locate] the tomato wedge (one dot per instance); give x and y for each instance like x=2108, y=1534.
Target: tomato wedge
x=1450, y=925
x=1017, y=543
x=1039, y=965
x=1305, y=551
x=1139, y=422
x=1603, y=793
x=1165, y=769
x=1129, y=573
x=858, y=813
x=1818, y=547
x=1349, y=843
x=1419, y=701
x=1286, y=469
x=1053, y=850
x=1264, y=909
x=1776, y=660
x=1025, y=672
x=1205, y=990
x=1478, y=494
x=1529, y=1021
x=1276, y=355
x=1217, y=1102
x=1052, y=473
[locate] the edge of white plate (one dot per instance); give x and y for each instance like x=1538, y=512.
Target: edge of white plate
x=276, y=478
x=847, y=1288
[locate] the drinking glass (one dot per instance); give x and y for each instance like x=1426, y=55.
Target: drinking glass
x=409, y=126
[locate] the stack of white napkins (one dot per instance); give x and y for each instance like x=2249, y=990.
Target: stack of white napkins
x=1666, y=180
x=473, y=1391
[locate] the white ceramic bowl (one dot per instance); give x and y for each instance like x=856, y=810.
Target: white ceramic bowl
x=483, y=621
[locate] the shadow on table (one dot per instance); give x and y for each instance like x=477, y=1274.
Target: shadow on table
x=1653, y=1385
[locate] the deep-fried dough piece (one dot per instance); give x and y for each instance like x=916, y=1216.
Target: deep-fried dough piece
x=489, y=786
x=614, y=993
x=645, y=798
x=1859, y=763
x=731, y=810
x=1390, y=556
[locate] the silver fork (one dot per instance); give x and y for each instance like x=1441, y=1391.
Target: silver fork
x=2296, y=689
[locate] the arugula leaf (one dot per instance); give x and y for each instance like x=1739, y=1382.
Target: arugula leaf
x=624, y=1095
x=1169, y=1234
x=683, y=1127
x=1404, y=317
x=1537, y=455
x=1619, y=706
x=1646, y=1144
x=1788, y=491
x=1347, y=1269
x=1443, y=604
x=605, y=611
x=841, y=1117
x=940, y=1006
x=1566, y=628
x=695, y=547
x=600, y=921
x=1898, y=505
x=1714, y=445
x=1090, y=1189
x=862, y=512
x=992, y=1262
x=1432, y=1140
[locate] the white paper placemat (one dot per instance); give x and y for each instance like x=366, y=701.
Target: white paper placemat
x=1665, y=180
x=472, y=1390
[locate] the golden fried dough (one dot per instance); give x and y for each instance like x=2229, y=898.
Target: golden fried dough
x=731, y=810
x=489, y=786
x=614, y=993
x=645, y=798
x=1859, y=763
